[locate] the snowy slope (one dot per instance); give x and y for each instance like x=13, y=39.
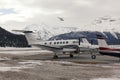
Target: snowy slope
x=45, y=32
x=101, y=24
x=106, y=23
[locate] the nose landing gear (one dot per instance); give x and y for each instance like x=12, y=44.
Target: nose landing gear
x=93, y=56
x=55, y=56
x=71, y=56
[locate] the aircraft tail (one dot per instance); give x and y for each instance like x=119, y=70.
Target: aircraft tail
x=84, y=39
x=30, y=36
x=101, y=41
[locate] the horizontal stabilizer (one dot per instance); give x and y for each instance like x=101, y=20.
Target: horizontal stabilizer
x=23, y=31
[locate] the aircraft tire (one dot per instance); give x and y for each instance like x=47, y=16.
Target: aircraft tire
x=71, y=55
x=93, y=56
x=55, y=57
x=63, y=52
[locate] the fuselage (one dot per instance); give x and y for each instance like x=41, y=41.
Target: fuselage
x=60, y=43
x=105, y=49
x=110, y=51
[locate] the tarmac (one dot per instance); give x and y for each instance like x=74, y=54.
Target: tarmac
x=36, y=64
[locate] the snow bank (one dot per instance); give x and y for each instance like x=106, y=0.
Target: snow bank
x=4, y=69
x=31, y=63
x=20, y=66
x=23, y=51
x=106, y=79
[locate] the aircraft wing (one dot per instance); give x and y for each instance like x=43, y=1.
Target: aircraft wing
x=55, y=49
x=87, y=49
x=48, y=47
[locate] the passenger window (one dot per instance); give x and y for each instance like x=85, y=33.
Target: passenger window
x=66, y=42
x=57, y=42
x=60, y=42
x=63, y=42
x=54, y=42
x=45, y=43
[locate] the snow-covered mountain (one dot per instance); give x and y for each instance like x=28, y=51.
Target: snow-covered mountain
x=90, y=35
x=45, y=32
x=106, y=23
x=107, y=26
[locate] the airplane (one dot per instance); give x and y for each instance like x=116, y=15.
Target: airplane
x=105, y=49
x=88, y=47
x=87, y=44
x=60, y=18
x=70, y=46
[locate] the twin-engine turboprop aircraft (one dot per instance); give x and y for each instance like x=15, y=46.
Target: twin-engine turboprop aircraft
x=70, y=46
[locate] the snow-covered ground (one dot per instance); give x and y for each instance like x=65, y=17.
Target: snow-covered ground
x=22, y=51
x=19, y=66
x=60, y=69
x=106, y=79
x=63, y=69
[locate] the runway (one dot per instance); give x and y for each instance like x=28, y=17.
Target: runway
x=36, y=64
x=38, y=54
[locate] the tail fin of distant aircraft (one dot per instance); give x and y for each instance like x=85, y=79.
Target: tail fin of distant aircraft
x=84, y=39
x=30, y=36
x=101, y=41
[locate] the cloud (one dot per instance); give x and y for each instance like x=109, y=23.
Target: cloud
x=75, y=12
x=84, y=3
x=22, y=10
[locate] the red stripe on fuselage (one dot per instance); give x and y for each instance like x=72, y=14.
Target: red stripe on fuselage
x=110, y=49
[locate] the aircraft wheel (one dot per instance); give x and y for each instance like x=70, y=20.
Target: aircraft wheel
x=63, y=52
x=55, y=57
x=71, y=55
x=93, y=56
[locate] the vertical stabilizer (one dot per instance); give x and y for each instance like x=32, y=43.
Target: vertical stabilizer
x=84, y=39
x=101, y=41
x=30, y=36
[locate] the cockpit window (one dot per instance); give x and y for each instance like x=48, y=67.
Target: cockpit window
x=75, y=41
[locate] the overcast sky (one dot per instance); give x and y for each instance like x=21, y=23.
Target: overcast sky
x=16, y=14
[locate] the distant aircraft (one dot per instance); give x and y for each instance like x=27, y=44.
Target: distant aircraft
x=105, y=49
x=65, y=46
x=88, y=47
x=60, y=18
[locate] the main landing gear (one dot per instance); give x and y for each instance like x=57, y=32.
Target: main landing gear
x=55, y=56
x=71, y=56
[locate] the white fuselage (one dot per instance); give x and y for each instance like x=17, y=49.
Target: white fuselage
x=58, y=43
